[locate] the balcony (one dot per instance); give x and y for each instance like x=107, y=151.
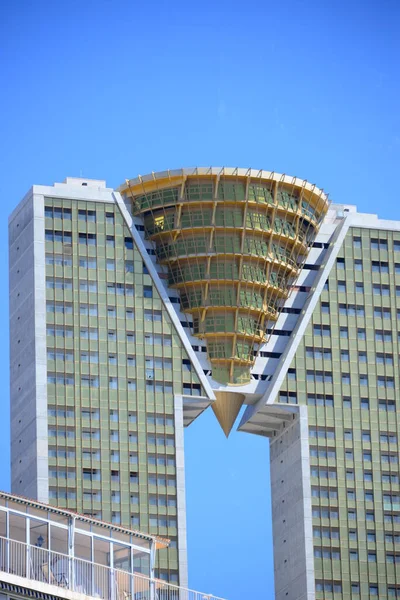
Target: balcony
x=33, y=568
x=49, y=553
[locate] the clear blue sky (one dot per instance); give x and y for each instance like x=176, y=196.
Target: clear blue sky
x=111, y=89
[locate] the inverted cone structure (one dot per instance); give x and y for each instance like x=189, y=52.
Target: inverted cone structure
x=234, y=241
x=226, y=408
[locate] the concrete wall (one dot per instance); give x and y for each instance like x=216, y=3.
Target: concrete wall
x=28, y=378
x=291, y=512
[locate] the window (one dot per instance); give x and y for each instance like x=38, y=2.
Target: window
x=112, y=336
x=367, y=457
x=368, y=477
x=147, y=291
x=387, y=405
x=88, y=309
x=317, y=400
x=322, y=433
x=113, y=383
x=321, y=492
x=59, y=284
x=325, y=307
x=88, y=286
x=348, y=434
x=370, y=516
x=352, y=535
x=87, y=215
x=341, y=286
x=109, y=218
x=396, y=245
x=322, y=330
x=129, y=243
x=346, y=402
x=89, y=381
x=90, y=414
x=340, y=263
x=383, y=335
x=355, y=588
x=91, y=474
x=359, y=287
x=358, y=265
x=346, y=378
x=387, y=382
x=58, y=236
x=319, y=376
x=110, y=241
x=66, y=355
x=131, y=361
x=112, y=359
x=129, y=268
x=318, y=452
x=89, y=334
x=114, y=457
x=369, y=497
x=89, y=239
x=351, y=310
x=362, y=357
x=363, y=379
x=371, y=556
x=55, y=212
x=382, y=313
x=344, y=355
x=288, y=397
x=110, y=264
x=373, y=590
x=380, y=267
x=344, y=333
x=292, y=374
x=357, y=242
x=59, y=331
x=390, y=458
x=153, y=315
x=361, y=335
x=115, y=476
x=366, y=436
x=88, y=263
x=381, y=290
x=377, y=244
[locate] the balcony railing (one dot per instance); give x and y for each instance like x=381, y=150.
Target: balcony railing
x=86, y=577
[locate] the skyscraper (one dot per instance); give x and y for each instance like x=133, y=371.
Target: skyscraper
x=134, y=311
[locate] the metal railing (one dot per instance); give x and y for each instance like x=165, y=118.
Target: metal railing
x=86, y=577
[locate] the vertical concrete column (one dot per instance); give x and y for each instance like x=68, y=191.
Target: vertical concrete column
x=291, y=511
x=181, y=492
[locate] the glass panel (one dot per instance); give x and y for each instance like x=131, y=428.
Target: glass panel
x=58, y=539
x=39, y=534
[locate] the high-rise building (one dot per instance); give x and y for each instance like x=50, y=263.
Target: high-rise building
x=134, y=311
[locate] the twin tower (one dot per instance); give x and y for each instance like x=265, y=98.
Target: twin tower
x=134, y=310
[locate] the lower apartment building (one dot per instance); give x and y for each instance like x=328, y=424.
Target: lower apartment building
x=133, y=311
